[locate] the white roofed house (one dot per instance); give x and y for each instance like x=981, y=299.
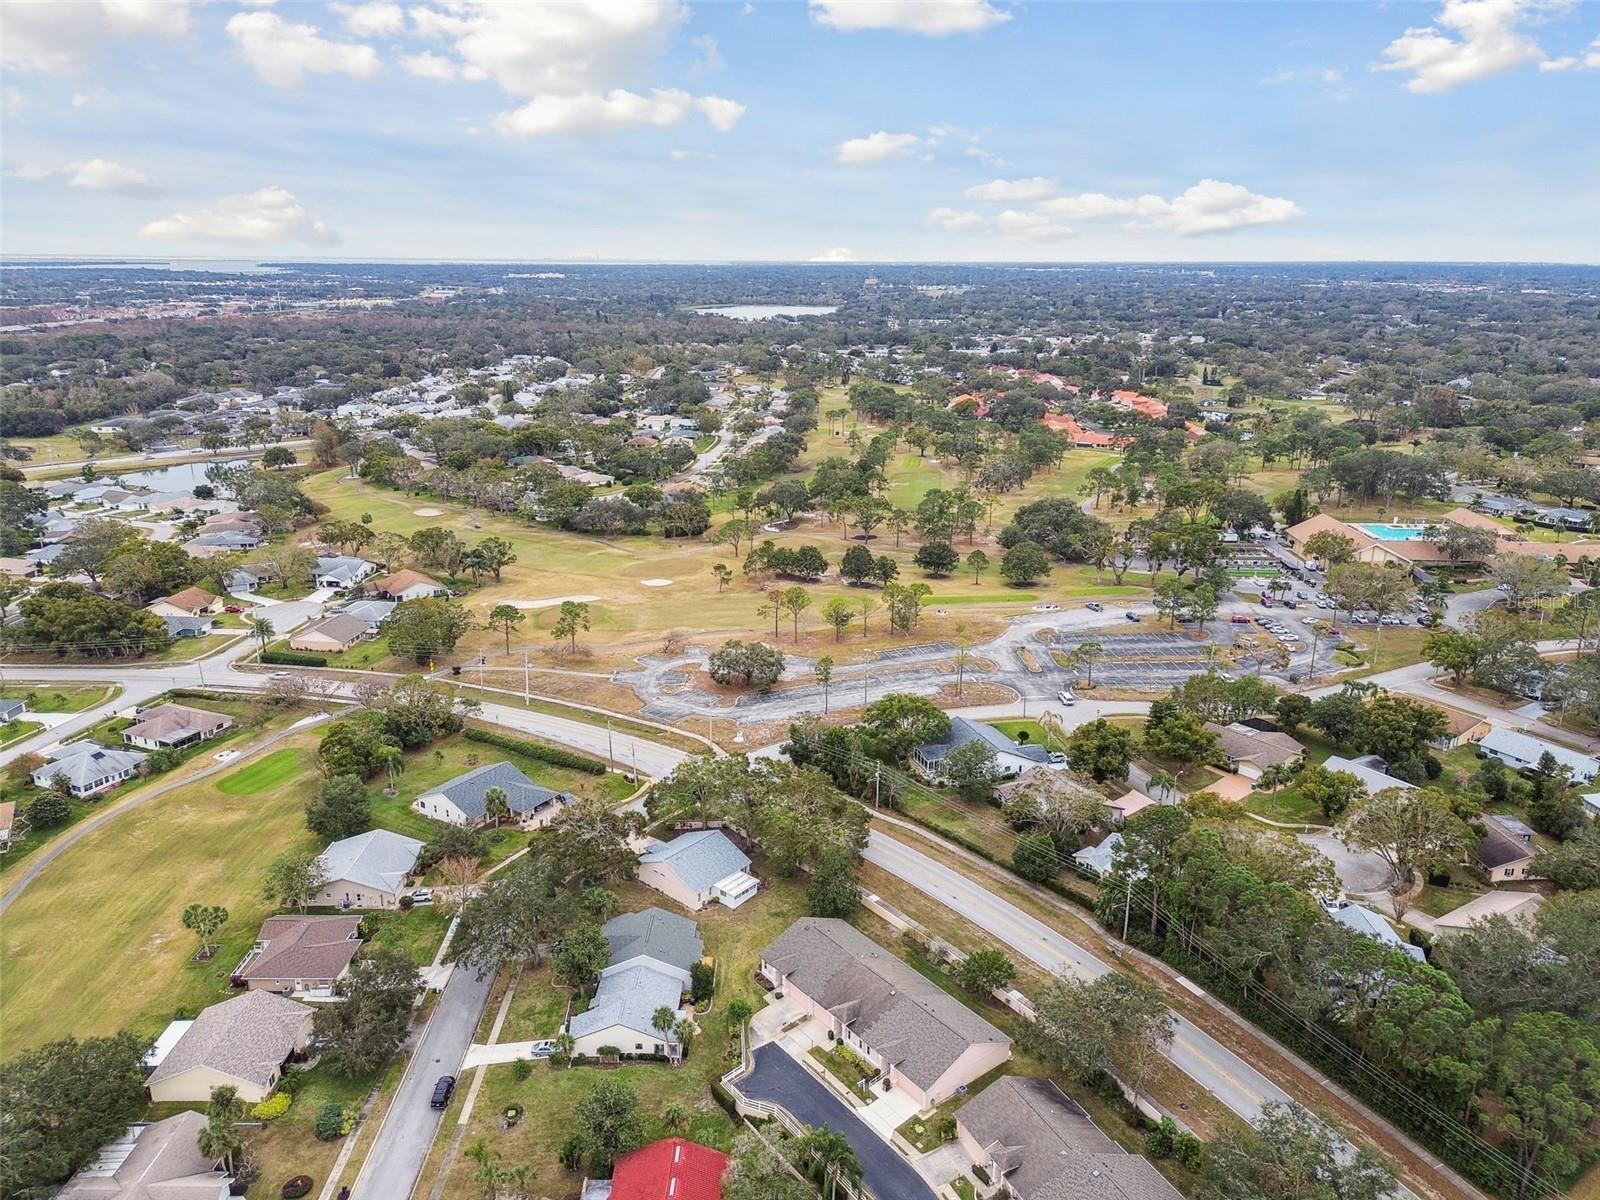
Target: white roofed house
x=88, y=767
x=1521, y=752
x=462, y=800
x=342, y=570
x=367, y=871
x=699, y=868
x=1367, y=922
x=1010, y=758
x=925, y=1043
x=1369, y=769
x=651, y=955
x=333, y=634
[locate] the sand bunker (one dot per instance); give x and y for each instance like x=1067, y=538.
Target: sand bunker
x=428, y=512
x=656, y=582
x=546, y=603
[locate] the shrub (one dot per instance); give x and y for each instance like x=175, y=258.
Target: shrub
x=293, y=1077
x=330, y=1122
x=702, y=981
x=294, y=1188
x=1161, y=1141
x=293, y=658
x=272, y=1107
x=553, y=755
x=571, y=1152
x=521, y=1069
x=1187, y=1149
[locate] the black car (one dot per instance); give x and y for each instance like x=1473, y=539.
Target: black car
x=443, y=1090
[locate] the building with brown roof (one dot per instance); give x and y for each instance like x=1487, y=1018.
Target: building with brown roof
x=1038, y=1144
x=1507, y=849
x=168, y=726
x=300, y=954
x=159, y=1161
x=1249, y=752
x=191, y=602
x=241, y=1043
x=406, y=585
x=1460, y=727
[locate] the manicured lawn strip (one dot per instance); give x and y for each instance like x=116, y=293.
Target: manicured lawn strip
x=267, y=771
x=851, y=1071
x=1038, y=735
x=96, y=944
x=53, y=698
x=360, y=657
x=538, y=1008
x=16, y=731
x=417, y=931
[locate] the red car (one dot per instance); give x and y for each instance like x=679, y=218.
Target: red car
x=233, y=608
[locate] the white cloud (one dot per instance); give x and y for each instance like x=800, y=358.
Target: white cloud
x=94, y=175
x=1589, y=60
x=429, y=65
x=55, y=37
x=1089, y=206
x=875, y=148
x=14, y=101
x=678, y=155
x=954, y=220
x=1012, y=191
x=982, y=155
x=270, y=215
x=1468, y=41
x=615, y=111
x=1031, y=227
x=282, y=53
x=835, y=254
x=710, y=57
x=380, y=18
x=935, y=18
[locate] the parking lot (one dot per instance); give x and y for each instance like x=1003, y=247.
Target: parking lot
x=1141, y=661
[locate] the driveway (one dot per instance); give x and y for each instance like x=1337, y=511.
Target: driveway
x=401, y=1147
x=778, y=1078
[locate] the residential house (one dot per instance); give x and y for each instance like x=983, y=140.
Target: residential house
x=88, y=767
x=8, y=822
x=1358, y=918
x=1522, y=752
x=242, y=581
x=1130, y=804
x=1035, y=1143
x=210, y=545
x=367, y=871
x=1148, y=406
x=340, y=571
x=22, y=568
x=333, y=634
x=1083, y=438
x=1517, y=907
x=242, y=1043
x=1369, y=769
x=299, y=954
x=926, y=1043
x=1098, y=858
x=698, y=868
x=168, y=726
x=1250, y=752
x=460, y=801
x=187, y=627
x=651, y=955
x=671, y=1169
x=191, y=602
x=1564, y=518
x=407, y=585
x=1461, y=728
x=155, y=1161
x=1507, y=849
x=373, y=612
x=1504, y=506
x=1010, y=758
x=12, y=710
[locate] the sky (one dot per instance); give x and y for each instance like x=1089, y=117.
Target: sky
x=806, y=130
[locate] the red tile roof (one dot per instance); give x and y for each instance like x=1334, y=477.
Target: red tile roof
x=1079, y=435
x=1148, y=405
x=671, y=1169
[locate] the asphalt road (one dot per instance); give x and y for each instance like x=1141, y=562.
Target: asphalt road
x=395, y=1160
x=778, y=1078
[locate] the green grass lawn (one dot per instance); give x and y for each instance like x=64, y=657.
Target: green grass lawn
x=1038, y=735
x=416, y=931
x=538, y=1008
x=59, y=698
x=96, y=945
x=265, y=772
x=361, y=657
x=16, y=731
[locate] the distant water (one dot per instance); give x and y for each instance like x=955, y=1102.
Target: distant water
x=765, y=312
x=182, y=477
x=221, y=266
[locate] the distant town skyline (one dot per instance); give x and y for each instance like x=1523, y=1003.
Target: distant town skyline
x=830, y=131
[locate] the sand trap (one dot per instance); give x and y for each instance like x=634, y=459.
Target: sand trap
x=656, y=582
x=550, y=601
x=427, y=512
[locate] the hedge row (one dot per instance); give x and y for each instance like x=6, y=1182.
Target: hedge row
x=553, y=755
x=293, y=658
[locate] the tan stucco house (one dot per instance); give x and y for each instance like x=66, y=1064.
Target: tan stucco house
x=241, y=1043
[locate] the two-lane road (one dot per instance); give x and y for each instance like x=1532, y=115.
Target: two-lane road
x=397, y=1155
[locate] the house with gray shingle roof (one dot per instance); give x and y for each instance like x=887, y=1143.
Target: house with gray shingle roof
x=657, y=936
x=342, y=570
x=460, y=801
x=1042, y=1145
x=156, y=1161
x=88, y=767
x=651, y=953
x=924, y=1041
x=698, y=868
x=367, y=871
x=243, y=1043
x=1010, y=758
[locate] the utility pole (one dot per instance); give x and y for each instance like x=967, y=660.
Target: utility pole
x=877, y=778
x=526, y=695
x=1127, y=906
x=611, y=757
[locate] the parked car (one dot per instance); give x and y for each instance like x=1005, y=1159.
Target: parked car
x=1058, y=759
x=233, y=608
x=279, y=675
x=542, y=1049
x=1133, y=616
x=1066, y=697
x=1046, y=608
x=442, y=1091
x=1095, y=606
x=422, y=895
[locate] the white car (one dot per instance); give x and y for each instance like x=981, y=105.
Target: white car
x=421, y=895
x=1066, y=698
x=542, y=1049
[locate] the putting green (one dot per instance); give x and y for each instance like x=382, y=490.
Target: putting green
x=265, y=772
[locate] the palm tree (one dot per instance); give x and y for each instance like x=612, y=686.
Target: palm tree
x=1163, y=784
x=1086, y=655
x=261, y=629
x=683, y=1033
x=496, y=805
x=662, y=1021
x=393, y=760
x=832, y=1155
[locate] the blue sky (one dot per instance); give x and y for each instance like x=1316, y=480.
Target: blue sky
x=845, y=129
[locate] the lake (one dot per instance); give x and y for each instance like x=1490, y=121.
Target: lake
x=766, y=312
x=184, y=477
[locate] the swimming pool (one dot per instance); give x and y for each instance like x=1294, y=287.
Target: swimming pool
x=1393, y=533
